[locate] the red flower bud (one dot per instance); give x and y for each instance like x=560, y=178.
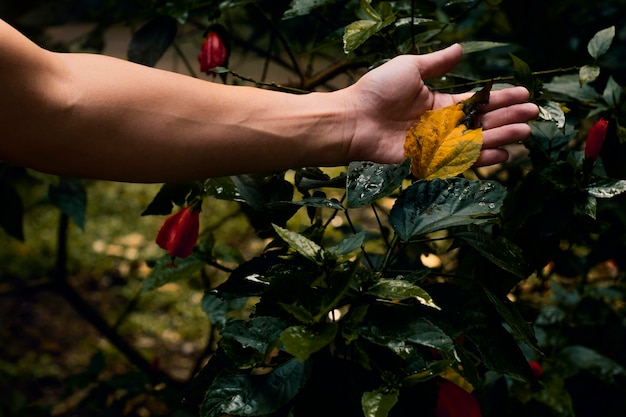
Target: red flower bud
x=595, y=139
x=454, y=401
x=536, y=369
x=213, y=53
x=179, y=232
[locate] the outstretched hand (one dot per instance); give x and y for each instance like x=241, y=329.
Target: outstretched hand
x=388, y=100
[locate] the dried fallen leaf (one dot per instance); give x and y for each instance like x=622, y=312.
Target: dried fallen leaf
x=443, y=142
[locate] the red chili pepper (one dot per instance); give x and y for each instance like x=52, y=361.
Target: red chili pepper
x=213, y=53
x=595, y=139
x=179, y=232
x=536, y=368
x=454, y=401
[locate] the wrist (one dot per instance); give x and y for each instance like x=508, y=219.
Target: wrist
x=329, y=129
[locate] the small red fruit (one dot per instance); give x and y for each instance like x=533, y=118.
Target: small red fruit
x=213, y=53
x=454, y=401
x=536, y=369
x=595, y=139
x=179, y=232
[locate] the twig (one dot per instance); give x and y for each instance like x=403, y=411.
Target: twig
x=284, y=42
x=271, y=84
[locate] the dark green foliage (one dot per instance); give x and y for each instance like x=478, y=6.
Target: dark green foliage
x=151, y=41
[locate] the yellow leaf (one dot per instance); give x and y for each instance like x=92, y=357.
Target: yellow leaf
x=442, y=143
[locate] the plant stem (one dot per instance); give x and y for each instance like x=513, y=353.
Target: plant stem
x=272, y=84
x=367, y=258
x=388, y=254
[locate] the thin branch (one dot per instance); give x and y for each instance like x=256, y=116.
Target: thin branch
x=328, y=73
x=272, y=85
x=284, y=42
x=367, y=258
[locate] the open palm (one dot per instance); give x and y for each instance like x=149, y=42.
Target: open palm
x=390, y=98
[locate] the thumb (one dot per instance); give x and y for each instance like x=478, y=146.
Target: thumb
x=439, y=62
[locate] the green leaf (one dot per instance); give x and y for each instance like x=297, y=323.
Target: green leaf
x=548, y=141
x=366, y=6
x=472, y=316
x=368, y=181
x=358, y=32
x=379, y=402
x=150, y=42
x=299, y=313
x=347, y=246
x=171, y=270
x=583, y=358
x=589, y=206
x=11, y=211
x=303, y=341
x=478, y=46
x=429, y=206
x=397, y=289
x=522, y=73
x=415, y=21
x=498, y=349
x=551, y=111
x=569, y=85
x=305, y=247
x=303, y=7
x=222, y=188
x=416, y=330
x=168, y=195
x=255, y=395
x=386, y=12
x=70, y=197
x=234, y=4
x=500, y=250
x=339, y=284
x=258, y=333
x=588, y=73
x=433, y=369
x=612, y=92
x=606, y=187
x=258, y=190
x=217, y=309
x=520, y=328
x=319, y=202
x=601, y=42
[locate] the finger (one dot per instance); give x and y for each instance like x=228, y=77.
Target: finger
x=505, y=135
x=492, y=157
x=499, y=98
x=518, y=113
x=439, y=62
x=506, y=97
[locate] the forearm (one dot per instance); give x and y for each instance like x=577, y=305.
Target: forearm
x=157, y=125
x=108, y=118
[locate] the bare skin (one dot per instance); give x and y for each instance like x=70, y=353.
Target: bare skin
x=94, y=116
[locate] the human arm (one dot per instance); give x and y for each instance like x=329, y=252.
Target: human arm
x=94, y=116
